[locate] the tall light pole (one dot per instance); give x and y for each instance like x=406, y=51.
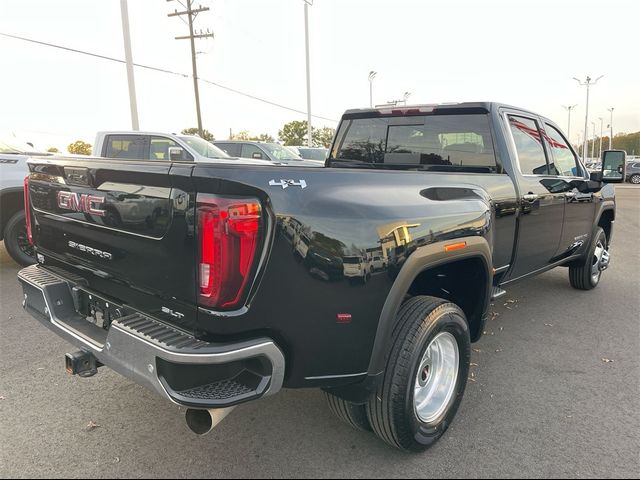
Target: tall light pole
x=372, y=75
x=587, y=83
x=568, y=109
x=133, y=104
x=306, y=45
x=405, y=97
x=600, y=150
x=593, y=142
x=611, y=128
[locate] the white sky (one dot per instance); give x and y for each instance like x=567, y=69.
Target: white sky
x=521, y=53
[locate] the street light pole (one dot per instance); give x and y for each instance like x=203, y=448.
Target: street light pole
x=372, y=75
x=600, y=150
x=405, y=97
x=593, y=142
x=133, y=104
x=568, y=109
x=611, y=128
x=586, y=83
x=306, y=44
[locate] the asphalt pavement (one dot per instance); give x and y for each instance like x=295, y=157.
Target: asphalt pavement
x=554, y=392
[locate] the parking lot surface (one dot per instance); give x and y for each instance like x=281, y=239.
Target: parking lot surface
x=554, y=392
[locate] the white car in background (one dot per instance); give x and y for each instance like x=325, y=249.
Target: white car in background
x=356, y=267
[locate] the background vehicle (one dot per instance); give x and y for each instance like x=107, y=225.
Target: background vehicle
x=13, y=169
x=209, y=306
x=317, y=154
x=159, y=146
x=264, y=151
x=633, y=173
x=356, y=267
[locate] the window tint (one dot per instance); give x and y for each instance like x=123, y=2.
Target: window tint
x=232, y=149
x=564, y=162
x=126, y=146
x=528, y=145
x=248, y=150
x=444, y=140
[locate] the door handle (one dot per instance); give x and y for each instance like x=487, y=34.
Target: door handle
x=530, y=197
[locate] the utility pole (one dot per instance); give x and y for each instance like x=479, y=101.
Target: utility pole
x=191, y=14
x=306, y=46
x=600, y=150
x=611, y=128
x=586, y=83
x=568, y=109
x=133, y=104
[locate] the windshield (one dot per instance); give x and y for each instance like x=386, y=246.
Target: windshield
x=313, y=153
x=279, y=152
x=204, y=148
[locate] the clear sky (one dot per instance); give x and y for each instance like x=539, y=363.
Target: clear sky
x=521, y=53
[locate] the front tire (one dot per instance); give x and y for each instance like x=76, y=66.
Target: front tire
x=425, y=375
x=586, y=274
x=16, y=241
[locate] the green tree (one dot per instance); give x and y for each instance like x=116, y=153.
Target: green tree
x=322, y=137
x=242, y=135
x=52, y=150
x=294, y=133
x=206, y=134
x=80, y=148
x=264, y=137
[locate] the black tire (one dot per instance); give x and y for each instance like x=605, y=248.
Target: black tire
x=350, y=413
x=635, y=179
x=16, y=242
x=391, y=410
x=580, y=274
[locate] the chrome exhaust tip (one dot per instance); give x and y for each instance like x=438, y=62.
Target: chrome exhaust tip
x=202, y=422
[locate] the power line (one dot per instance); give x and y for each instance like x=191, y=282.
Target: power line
x=163, y=70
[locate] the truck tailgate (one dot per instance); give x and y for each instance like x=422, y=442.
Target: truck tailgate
x=125, y=227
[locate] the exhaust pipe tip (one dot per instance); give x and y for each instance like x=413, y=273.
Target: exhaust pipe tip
x=202, y=422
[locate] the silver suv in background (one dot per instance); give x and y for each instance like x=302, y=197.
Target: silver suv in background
x=315, y=154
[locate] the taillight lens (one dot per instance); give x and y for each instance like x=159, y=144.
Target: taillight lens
x=229, y=232
x=27, y=211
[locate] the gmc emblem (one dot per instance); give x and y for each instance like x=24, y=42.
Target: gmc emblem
x=81, y=203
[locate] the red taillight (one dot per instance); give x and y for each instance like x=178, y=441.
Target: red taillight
x=27, y=211
x=229, y=232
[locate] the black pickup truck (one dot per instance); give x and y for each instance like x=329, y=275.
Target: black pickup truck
x=369, y=278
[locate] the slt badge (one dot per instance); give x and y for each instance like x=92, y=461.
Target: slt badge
x=288, y=183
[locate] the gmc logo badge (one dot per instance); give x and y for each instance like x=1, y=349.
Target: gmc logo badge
x=81, y=203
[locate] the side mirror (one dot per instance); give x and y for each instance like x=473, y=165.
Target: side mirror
x=614, y=166
x=257, y=155
x=175, y=153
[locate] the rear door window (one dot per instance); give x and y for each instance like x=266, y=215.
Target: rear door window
x=439, y=140
x=528, y=141
x=126, y=146
x=231, y=149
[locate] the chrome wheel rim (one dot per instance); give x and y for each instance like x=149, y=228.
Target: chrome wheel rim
x=635, y=179
x=436, y=378
x=599, y=262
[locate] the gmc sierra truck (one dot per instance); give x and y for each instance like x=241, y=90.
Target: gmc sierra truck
x=212, y=302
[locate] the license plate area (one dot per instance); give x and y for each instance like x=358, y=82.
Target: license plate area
x=95, y=310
